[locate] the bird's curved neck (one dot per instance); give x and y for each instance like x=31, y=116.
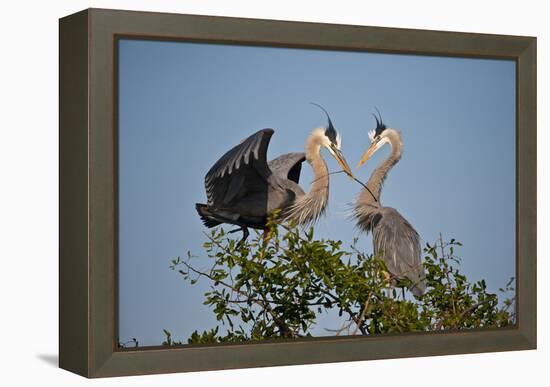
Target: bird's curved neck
x=320, y=182
x=380, y=173
x=309, y=207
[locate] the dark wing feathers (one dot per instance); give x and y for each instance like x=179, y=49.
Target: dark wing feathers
x=288, y=166
x=244, y=162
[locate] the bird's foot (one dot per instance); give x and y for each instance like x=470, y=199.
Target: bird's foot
x=245, y=231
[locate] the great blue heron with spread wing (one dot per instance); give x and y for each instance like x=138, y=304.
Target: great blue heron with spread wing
x=393, y=236
x=243, y=189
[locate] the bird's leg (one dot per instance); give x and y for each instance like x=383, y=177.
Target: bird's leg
x=267, y=235
x=387, y=279
x=245, y=233
x=235, y=230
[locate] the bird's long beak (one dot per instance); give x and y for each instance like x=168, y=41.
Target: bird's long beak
x=342, y=161
x=373, y=148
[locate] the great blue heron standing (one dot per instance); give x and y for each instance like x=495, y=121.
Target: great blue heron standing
x=243, y=189
x=393, y=235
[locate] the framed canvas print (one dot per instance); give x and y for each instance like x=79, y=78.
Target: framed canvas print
x=243, y=193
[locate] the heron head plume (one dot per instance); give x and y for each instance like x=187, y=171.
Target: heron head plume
x=333, y=142
x=330, y=131
x=380, y=126
x=377, y=137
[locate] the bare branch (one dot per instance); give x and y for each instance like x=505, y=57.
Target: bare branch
x=363, y=314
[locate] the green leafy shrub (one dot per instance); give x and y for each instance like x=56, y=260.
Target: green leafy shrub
x=276, y=285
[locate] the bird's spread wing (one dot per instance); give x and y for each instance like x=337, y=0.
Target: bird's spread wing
x=288, y=166
x=242, y=169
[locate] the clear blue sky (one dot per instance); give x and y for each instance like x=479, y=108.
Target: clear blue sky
x=183, y=105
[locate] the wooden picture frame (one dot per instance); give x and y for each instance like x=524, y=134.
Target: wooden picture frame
x=88, y=223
